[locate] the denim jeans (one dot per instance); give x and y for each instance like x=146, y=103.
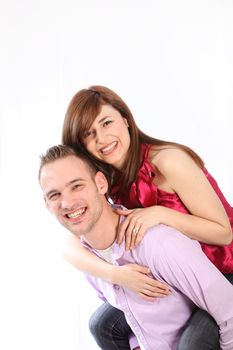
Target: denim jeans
x=201, y=332
x=111, y=331
x=109, y=328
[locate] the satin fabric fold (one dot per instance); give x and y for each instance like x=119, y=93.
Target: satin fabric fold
x=144, y=193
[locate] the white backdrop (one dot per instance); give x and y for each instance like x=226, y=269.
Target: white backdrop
x=171, y=61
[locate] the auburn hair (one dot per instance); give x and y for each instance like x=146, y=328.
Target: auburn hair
x=80, y=115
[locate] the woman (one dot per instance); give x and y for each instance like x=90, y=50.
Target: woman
x=167, y=183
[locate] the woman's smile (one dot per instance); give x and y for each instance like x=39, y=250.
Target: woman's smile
x=109, y=148
x=108, y=138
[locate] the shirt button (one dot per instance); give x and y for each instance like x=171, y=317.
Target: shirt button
x=115, y=286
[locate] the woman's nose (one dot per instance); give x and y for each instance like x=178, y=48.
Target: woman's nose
x=99, y=136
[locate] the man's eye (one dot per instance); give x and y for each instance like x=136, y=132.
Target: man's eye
x=53, y=196
x=77, y=187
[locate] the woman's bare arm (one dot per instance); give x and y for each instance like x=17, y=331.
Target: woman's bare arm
x=177, y=173
x=131, y=276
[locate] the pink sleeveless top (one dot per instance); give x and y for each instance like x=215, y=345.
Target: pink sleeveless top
x=144, y=193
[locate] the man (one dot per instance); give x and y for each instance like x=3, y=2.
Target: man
x=74, y=191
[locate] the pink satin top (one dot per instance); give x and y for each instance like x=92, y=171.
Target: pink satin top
x=144, y=193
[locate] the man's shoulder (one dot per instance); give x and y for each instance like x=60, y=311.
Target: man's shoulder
x=166, y=238
x=162, y=232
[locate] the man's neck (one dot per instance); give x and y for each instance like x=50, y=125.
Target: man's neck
x=104, y=232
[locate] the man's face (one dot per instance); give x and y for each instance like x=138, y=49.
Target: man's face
x=73, y=194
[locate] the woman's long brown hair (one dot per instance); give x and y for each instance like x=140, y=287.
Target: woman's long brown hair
x=81, y=113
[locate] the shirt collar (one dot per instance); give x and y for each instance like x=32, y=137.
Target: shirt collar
x=118, y=249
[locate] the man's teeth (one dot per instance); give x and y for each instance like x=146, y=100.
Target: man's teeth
x=109, y=148
x=76, y=213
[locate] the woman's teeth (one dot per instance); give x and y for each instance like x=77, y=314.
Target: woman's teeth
x=109, y=148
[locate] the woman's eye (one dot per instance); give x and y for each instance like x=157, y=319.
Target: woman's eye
x=107, y=122
x=88, y=133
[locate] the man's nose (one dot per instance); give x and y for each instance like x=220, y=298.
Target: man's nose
x=67, y=202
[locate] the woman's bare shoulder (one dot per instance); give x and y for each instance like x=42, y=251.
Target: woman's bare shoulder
x=168, y=157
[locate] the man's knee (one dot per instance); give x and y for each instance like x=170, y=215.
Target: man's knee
x=201, y=333
x=96, y=324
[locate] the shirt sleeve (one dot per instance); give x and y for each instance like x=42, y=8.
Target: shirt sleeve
x=93, y=282
x=133, y=343
x=183, y=265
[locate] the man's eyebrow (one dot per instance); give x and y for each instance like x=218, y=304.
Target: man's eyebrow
x=47, y=194
x=79, y=179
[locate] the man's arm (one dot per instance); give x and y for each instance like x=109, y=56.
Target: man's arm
x=183, y=265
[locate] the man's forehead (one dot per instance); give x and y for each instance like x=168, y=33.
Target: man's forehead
x=73, y=163
x=64, y=170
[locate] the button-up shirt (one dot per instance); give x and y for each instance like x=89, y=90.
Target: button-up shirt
x=194, y=281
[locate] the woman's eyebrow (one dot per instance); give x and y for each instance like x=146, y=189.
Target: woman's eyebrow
x=102, y=119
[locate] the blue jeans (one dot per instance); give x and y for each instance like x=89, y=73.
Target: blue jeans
x=109, y=328
x=111, y=331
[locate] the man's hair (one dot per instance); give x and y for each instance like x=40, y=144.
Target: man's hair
x=61, y=151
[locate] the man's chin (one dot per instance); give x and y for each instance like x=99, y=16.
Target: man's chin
x=71, y=229
x=75, y=232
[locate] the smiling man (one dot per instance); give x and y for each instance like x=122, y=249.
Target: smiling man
x=74, y=191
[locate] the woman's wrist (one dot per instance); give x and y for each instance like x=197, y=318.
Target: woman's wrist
x=114, y=274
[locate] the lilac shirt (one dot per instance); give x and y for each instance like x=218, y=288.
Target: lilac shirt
x=179, y=261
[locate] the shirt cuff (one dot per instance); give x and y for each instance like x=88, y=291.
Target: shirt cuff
x=133, y=343
x=226, y=335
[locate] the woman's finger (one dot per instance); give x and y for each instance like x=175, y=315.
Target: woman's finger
x=157, y=293
x=122, y=231
x=146, y=297
x=130, y=234
x=134, y=236
x=124, y=212
x=156, y=285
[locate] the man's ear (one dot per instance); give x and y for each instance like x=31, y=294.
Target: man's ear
x=101, y=182
x=47, y=204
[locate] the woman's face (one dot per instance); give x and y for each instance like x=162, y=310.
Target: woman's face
x=108, y=138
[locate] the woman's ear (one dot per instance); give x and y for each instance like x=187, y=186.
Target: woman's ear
x=126, y=122
x=101, y=182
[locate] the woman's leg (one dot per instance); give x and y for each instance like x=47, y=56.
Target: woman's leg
x=109, y=328
x=201, y=332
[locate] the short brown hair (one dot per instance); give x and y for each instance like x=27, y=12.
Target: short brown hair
x=62, y=151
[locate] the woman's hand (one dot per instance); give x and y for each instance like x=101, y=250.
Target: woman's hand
x=135, y=225
x=136, y=278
